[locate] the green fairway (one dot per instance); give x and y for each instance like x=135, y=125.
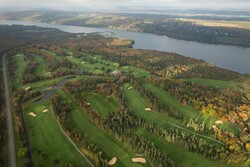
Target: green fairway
x=43, y=84
x=215, y=83
x=103, y=141
x=103, y=105
x=42, y=68
x=48, y=143
x=21, y=65
x=58, y=57
x=188, y=111
x=92, y=63
x=97, y=64
x=182, y=157
x=138, y=105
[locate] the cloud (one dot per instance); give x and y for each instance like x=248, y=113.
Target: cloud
x=70, y=4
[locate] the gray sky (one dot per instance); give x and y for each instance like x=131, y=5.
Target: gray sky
x=129, y=4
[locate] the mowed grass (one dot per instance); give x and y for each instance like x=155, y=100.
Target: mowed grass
x=188, y=111
x=42, y=68
x=21, y=65
x=104, y=142
x=40, y=85
x=182, y=157
x=103, y=105
x=46, y=136
x=139, y=72
x=58, y=57
x=98, y=65
x=138, y=105
x=215, y=83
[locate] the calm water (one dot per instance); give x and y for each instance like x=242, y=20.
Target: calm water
x=229, y=57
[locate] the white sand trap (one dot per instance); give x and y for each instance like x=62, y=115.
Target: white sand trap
x=214, y=127
x=219, y=122
x=48, y=73
x=112, y=161
x=147, y=109
x=83, y=62
x=32, y=114
x=130, y=87
x=28, y=88
x=45, y=110
x=139, y=160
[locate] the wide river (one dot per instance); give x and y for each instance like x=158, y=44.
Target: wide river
x=230, y=57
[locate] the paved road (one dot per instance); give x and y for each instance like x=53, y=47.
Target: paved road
x=11, y=143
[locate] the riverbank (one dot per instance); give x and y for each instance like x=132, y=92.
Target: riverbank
x=225, y=56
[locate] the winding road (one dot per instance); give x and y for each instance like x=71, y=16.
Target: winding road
x=10, y=132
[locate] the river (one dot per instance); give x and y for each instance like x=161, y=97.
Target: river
x=230, y=57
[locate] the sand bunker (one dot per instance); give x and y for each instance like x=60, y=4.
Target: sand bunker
x=45, y=110
x=214, y=127
x=130, y=87
x=218, y=122
x=112, y=161
x=83, y=62
x=32, y=114
x=147, y=109
x=28, y=88
x=140, y=160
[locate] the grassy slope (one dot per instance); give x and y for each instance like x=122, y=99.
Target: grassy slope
x=103, y=141
x=58, y=57
x=138, y=105
x=20, y=70
x=96, y=67
x=42, y=67
x=169, y=100
x=187, y=111
x=182, y=157
x=43, y=84
x=101, y=104
x=45, y=135
x=215, y=83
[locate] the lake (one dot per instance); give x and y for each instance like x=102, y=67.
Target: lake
x=230, y=57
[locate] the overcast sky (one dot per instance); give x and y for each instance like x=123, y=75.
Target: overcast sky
x=126, y=4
